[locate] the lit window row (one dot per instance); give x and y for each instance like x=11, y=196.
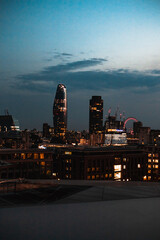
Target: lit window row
x=154, y=166
x=35, y=155
x=154, y=160
x=97, y=176
x=152, y=154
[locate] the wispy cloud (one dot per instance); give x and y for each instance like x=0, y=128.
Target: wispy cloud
x=72, y=75
x=58, y=55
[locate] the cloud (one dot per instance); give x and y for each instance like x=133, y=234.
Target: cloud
x=76, y=76
x=154, y=72
x=58, y=55
x=67, y=54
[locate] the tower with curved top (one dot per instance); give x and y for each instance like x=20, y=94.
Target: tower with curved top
x=60, y=111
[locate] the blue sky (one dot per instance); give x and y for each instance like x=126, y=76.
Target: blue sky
x=108, y=48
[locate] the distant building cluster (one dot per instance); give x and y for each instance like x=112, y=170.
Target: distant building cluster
x=107, y=151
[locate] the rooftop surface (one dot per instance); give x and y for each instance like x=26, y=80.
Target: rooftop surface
x=81, y=210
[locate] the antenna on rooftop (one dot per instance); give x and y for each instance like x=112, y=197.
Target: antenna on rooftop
x=6, y=112
x=117, y=110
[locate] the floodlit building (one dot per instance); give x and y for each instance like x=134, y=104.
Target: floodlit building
x=60, y=111
x=115, y=137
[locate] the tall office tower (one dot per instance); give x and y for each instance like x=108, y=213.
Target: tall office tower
x=60, y=111
x=96, y=115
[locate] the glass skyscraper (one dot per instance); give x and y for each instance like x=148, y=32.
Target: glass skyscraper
x=60, y=111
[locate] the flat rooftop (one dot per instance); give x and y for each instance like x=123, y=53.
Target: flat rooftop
x=51, y=209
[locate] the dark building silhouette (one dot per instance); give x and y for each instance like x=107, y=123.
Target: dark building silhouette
x=112, y=123
x=7, y=123
x=60, y=111
x=96, y=115
x=136, y=128
x=46, y=129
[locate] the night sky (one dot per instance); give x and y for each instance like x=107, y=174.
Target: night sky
x=109, y=48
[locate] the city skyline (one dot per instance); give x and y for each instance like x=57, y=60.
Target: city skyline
x=107, y=48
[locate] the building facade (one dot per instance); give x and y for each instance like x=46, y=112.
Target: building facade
x=96, y=115
x=129, y=163
x=31, y=163
x=111, y=163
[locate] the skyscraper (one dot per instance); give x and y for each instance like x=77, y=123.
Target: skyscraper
x=60, y=111
x=96, y=115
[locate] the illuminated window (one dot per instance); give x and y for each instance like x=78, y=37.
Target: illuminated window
x=93, y=108
x=23, y=155
x=97, y=169
x=144, y=178
x=124, y=166
x=68, y=153
x=66, y=168
x=93, y=177
x=117, y=158
x=124, y=159
x=155, y=160
x=106, y=175
x=149, y=171
x=97, y=176
x=41, y=155
x=155, y=166
x=66, y=176
x=88, y=177
x=117, y=175
x=149, y=160
x=149, y=166
x=35, y=155
x=88, y=169
x=149, y=154
x=93, y=168
x=149, y=177
x=110, y=175
x=42, y=163
x=67, y=161
x=139, y=165
x=117, y=167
